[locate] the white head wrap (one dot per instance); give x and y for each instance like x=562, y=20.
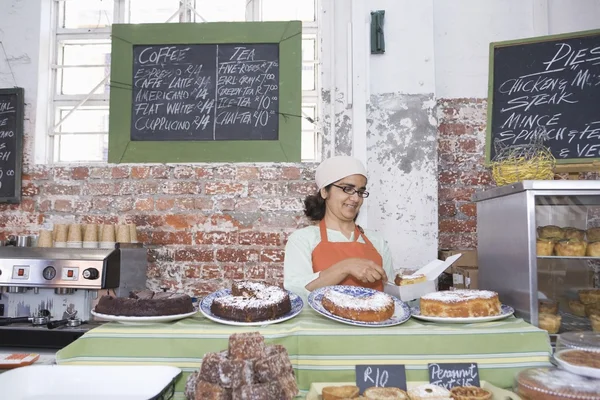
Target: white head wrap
x=335, y=168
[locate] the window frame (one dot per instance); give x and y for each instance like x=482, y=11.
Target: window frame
x=49, y=135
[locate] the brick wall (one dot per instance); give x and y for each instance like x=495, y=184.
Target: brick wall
x=204, y=225
x=461, y=157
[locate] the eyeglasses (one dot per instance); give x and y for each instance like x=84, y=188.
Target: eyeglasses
x=350, y=190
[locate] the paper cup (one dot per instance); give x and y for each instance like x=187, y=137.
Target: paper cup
x=61, y=233
x=74, y=234
x=45, y=239
x=106, y=245
x=60, y=244
x=90, y=233
x=133, y=233
x=123, y=234
x=90, y=245
x=108, y=234
x=74, y=245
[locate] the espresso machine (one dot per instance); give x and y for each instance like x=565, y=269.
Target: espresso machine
x=47, y=294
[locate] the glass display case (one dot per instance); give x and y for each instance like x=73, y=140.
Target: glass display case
x=537, y=247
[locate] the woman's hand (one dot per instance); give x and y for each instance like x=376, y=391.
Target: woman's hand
x=362, y=269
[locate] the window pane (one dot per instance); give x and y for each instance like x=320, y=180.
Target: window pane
x=222, y=10
x=148, y=11
x=309, y=137
x=83, y=80
x=308, y=48
x=73, y=148
x=87, y=14
x=85, y=53
x=84, y=119
x=308, y=76
x=280, y=10
x=308, y=111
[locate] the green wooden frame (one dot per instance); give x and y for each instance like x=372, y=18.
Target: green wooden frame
x=490, y=100
x=287, y=148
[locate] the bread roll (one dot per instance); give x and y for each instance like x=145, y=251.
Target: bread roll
x=593, y=249
x=549, y=322
x=550, y=231
x=577, y=308
x=340, y=392
x=548, y=306
x=544, y=247
x=570, y=248
x=573, y=233
x=593, y=234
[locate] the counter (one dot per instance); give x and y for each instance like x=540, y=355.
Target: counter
x=322, y=350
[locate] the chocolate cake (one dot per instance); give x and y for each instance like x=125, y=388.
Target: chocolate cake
x=252, y=301
x=145, y=303
x=261, y=372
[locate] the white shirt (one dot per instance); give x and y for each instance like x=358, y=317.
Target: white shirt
x=297, y=263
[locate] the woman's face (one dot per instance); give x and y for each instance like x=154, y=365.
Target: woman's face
x=342, y=205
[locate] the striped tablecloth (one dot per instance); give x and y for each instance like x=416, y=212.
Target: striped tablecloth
x=322, y=350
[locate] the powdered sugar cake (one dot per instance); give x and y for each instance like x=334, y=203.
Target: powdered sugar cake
x=252, y=301
x=371, y=308
x=461, y=304
x=556, y=384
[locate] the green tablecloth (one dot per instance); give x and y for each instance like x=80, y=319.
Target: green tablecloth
x=322, y=350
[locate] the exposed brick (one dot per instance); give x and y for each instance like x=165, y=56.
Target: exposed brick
x=476, y=178
x=232, y=254
x=164, y=203
x=193, y=271
x=259, y=238
x=225, y=204
x=159, y=172
x=195, y=255
x=203, y=288
x=272, y=255
x=139, y=187
x=145, y=220
x=100, y=189
x=458, y=226
x=203, y=172
x=275, y=272
x=120, y=172
x=100, y=219
x=224, y=172
x=140, y=172
x=212, y=188
x=457, y=240
x=255, y=271
x=27, y=205
x=181, y=187
x=101, y=203
x=184, y=172
x=247, y=173
x=233, y=271
x=467, y=145
x=261, y=189
x=216, y=238
x=456, y=193
x=80, y=173
x=181, y=221
x=277, y=221
x=45, y=206
x=203, y=203
x=63, y=205
x=63, y=190
x=81, y=206
x=301, y=188
x=162, y=238
x=448, y=177
x=144, y=204
x=37, y=173
x=469, y=209
x=61, y=173
x=246, y=204
x=226, y=221
x=446, y=146
x=211, y=271
x=100, y=172
x=447, y=210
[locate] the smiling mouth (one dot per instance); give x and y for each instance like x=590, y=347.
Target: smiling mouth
x=350, y=206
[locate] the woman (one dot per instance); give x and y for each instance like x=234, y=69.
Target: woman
x=336, y=251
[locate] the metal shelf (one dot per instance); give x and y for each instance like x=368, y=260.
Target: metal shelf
x=568, y=258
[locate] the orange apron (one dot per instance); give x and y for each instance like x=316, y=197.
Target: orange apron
x=329, y=253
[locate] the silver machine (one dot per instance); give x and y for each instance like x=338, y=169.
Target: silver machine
x=507, y=222
x=47, y=294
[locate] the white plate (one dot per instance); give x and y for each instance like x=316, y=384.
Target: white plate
x=297, y=305
x=507, y=311
x=576, y=369
x=75, y=382
x=401, y=310
x=141, y=320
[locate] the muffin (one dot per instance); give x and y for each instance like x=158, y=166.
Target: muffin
x=549, y=322
x=470, y=393
x=573, y=233
x=340, y=392
x=589, y=296
x=570, y=248
x=593, y=234
x=548, y=307
x=429, y=392
x=550, y=231
x=544, y=247
x=595, y=320
x=593, y=249
x=577, y=308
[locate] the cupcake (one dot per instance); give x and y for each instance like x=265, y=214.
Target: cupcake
x=549, y=322
x=573, y=233
x=570, y=248
x=544, y=247
x=550, y=231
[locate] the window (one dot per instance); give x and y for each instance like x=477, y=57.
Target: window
x=80, y=68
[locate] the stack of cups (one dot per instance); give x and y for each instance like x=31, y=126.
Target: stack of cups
x=45, y=239
x=74, y=239
x=133, y=233
x=60, y=238
x=123, y=234
x=107, y=238
x=90, y=236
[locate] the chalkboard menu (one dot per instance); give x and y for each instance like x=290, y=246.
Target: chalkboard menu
x=546, y=86
x=450, y=375
x=205, y=92
x=11, y=142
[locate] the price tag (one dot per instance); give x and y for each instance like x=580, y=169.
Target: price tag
x=392, y=375
x=450, y=375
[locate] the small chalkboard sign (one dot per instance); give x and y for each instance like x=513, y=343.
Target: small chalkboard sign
x=205, y=92
x=391, y=375
x=551, y=82
x=449, y=375
x=11, y=144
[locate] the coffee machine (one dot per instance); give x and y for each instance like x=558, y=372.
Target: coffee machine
x=47, y=294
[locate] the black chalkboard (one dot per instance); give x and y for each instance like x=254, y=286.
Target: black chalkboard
x=449, y=375
x=392, y=375
x=205, y=92
x=551, y=82
x=11, y=144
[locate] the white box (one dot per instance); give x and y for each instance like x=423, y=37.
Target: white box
x=415, y=291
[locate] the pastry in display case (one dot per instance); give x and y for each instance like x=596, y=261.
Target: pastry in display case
x=539, y=248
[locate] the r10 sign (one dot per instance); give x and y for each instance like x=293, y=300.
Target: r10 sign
x=391, y=375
